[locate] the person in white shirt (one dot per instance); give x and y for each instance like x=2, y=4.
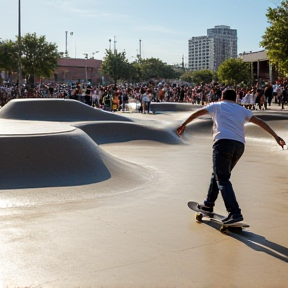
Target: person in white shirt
x=146, y=100
x=229, y=142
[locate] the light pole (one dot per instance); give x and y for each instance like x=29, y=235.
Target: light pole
x=94, y=53
x=86, y=57
x=140, y=48
x=93, y=68
x=66, y=51
x=115, y=43
x=19, y=49
x=66, y=44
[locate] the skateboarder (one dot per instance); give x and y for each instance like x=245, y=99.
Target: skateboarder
x=229, y=141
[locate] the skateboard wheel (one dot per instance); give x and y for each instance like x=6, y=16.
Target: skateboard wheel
x=199, y=217
x=223, y=229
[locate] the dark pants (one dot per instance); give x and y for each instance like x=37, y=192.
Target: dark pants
x=268, y=99
x=226, y=153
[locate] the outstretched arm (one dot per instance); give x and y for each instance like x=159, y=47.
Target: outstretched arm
x=267, y=128
x=193, y=116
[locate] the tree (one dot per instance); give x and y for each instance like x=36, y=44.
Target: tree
x=275, y=39
x=198, y=77
x=187, y=76
x=233, y=71
x=39, y=58
x=135, y=73
x=171, y=72
x=115, y=65
x=8, y=56
x=202, y=76
x=155, y=68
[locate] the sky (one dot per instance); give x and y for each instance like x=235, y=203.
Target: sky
x=159, y=28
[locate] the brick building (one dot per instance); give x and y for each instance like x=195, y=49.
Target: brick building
x=74, y=70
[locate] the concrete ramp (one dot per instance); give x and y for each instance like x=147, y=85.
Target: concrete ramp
x=75, y=214
x=52, y=158
x=158, y=107
x=103, y=132
x=52, y=109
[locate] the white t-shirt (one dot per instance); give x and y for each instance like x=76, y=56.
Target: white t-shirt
x=228, y=120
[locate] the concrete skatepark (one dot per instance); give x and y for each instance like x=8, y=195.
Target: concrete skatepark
x=97, y=199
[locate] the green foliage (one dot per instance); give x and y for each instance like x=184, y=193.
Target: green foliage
x=116, y=65
x=202, y=76
x=275, y=39
x=8, y=56
x=215, y=76
x=173, y=72
x=198, y=77
x=187, y=76
x=135, y=72
x=39, y=58
x=233, y=71
x=157, y=69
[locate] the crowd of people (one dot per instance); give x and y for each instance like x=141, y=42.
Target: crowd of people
x=113, y=98
x=257, y=98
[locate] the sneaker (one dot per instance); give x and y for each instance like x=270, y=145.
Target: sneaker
x=205, y=209
x=232, y=218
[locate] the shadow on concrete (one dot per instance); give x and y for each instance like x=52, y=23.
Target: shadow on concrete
x=256, y=242
x=261, y=244
x=64, y=159
x=103, y=132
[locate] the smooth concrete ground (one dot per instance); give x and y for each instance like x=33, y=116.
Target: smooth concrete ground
x=88, y=203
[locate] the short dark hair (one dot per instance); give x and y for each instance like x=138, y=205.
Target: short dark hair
x=229, y=94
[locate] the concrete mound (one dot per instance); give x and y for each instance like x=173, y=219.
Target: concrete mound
x=271, y=116
x=116, y=131
x=172, y=106
x=201, y=127
x=60, y=159
x=278, y=121
x=52, y=109
x=256, y=133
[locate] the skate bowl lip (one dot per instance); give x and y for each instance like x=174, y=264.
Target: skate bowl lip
x=10, y=128
x=55, y=110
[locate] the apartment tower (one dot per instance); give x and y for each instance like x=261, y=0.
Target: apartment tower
x=208, y=52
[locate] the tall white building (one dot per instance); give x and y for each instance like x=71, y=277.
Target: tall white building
x=208, y=52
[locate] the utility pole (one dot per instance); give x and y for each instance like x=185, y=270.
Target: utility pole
x=66, y=51
x=114, y=44
x=19, y=49
x=86, y=57
x=140, y=49
x=71, y=34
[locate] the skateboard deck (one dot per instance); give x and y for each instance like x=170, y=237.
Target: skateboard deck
x=234, y=227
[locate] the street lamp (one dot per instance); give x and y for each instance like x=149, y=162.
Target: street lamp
x=66, y=49
x=86, y=57
x=19, y=48
x=94, y=53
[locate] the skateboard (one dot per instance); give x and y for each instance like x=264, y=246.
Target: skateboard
x=234, y=227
